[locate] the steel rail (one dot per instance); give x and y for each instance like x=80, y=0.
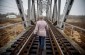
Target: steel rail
x=57, y=45
x=24, y=44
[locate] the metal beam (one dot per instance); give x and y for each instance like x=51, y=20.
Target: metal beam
x=40, y=7
x=34, y=13
x=50, y=2
x=58, y=12
x=29, y=3
x=66, y=11
x=54, y=11
x=47, y=9
x=51, y=9
x=39, y=11
x=21, y=11
x=32, y=10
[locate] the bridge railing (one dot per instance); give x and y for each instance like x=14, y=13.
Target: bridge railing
x=10, y=32
x=76, y=33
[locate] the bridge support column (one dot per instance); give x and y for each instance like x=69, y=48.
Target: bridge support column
x=29, y=3
x=54, y=18
x=39, y=8
x=50, y=9
x=21, y=10
x=32, y=10
x=58, y=12
x=66, y=10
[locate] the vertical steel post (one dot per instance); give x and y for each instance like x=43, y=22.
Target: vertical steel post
x=54, y=11
x=29, y=2
x=21, y=10
x=34, y=13
x=32, y=9
x=50, y=9
x=66, y=11
x=37, y=9
x=58, y=16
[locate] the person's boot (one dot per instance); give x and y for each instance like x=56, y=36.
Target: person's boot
x=40, y=51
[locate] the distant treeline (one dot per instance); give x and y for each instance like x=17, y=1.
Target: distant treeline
x=75, y=16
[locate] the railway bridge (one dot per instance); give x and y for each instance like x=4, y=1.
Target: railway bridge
x=59, y=36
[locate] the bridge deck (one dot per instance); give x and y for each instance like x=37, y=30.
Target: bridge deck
x=55, y=44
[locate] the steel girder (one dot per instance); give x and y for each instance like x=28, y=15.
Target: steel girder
x=29, y=9
x=54, y=17
x=33, y=10
x=66, y=11
x=21, y=11
x=48, y=9
x=58, y=12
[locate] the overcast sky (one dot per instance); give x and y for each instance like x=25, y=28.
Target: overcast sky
x=78, y=7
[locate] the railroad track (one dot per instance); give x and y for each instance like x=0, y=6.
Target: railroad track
x=55, y=44
x=31, y=46
x=15, y=48
x=65, y=46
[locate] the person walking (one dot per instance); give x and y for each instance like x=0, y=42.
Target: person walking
x=40, y=29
